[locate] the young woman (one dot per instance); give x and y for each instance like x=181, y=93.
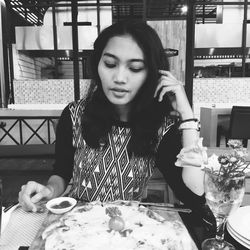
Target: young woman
x=110, y=143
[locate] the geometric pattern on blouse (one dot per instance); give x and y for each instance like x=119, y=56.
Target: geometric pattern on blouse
x=108, y=173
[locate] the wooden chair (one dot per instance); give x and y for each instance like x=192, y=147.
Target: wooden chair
x=239, y=125
x=158, y=190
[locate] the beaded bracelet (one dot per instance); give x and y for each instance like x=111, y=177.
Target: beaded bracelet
x=190, y=125
x=189, y=120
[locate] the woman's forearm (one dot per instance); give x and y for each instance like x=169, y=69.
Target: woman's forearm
x=57, y=185
x=192, y=176
x=193, y=179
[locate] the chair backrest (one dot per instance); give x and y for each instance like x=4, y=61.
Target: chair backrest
x=240, y=123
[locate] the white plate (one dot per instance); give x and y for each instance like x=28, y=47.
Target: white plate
x=57, y=201
x=238, y=238
x=239, y=221
x=238, y=235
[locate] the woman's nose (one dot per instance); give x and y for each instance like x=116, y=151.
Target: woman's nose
x=120, y=75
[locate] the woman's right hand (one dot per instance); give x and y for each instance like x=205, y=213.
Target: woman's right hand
x=32, y=193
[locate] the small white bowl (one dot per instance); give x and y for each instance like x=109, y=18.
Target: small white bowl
x=51, y=205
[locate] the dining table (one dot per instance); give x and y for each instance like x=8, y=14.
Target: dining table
x=24, y=229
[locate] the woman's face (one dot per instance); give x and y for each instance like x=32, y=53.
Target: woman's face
x=122, y=70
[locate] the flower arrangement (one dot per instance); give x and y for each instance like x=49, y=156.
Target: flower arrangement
x=228, y=169
x=230, y=164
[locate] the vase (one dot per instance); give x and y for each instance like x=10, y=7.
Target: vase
x=224, y=194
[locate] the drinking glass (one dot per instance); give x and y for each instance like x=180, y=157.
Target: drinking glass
x=224, y=195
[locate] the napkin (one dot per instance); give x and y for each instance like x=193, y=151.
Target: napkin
x=21, y=229
x=6, y=217
x=194, y=155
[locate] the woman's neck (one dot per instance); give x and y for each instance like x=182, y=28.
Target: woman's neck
x=123, y=112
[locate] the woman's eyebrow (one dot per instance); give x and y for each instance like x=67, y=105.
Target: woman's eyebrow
x=131, y=60
x=110, y=55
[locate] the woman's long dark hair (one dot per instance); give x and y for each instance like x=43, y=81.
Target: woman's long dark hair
x=147, y=113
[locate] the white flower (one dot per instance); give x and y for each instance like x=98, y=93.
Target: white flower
x=241, y=152
x=234, y=144
x=212, y=163
x=233, y=159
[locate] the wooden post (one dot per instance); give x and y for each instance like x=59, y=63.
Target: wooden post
x=190, y=50
x=74, y=7
x=3, y=57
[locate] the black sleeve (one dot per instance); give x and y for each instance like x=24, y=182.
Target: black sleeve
x=64, y=150
x=168, y=149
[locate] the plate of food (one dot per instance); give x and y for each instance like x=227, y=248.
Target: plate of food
x=122, y=225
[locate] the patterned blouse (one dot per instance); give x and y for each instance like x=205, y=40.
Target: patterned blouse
x=108, y=173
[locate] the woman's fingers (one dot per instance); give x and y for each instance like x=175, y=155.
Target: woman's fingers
x=167, y=73
x=166, y=86
x=25, y=195
x=166, y=90
x=170, y=86
x=166, y=82
x=30, y=190
x=25, y=202
x=44, y=193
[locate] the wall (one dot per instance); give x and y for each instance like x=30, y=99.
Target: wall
x=47, y=91
x=220, y=91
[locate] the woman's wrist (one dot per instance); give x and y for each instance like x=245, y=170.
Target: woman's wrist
x=57, y=185
x=187, y=115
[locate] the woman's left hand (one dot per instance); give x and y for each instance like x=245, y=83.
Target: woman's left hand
x=174, y=89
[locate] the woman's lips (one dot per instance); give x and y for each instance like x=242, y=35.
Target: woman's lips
x=118, y=92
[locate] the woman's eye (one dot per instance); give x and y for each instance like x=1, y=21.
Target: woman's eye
x=136, y=69
x=109, y=65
